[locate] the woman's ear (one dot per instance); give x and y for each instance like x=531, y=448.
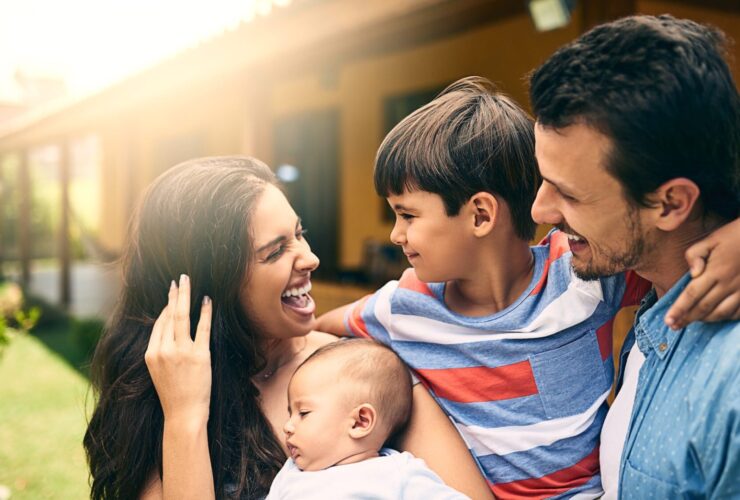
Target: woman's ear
x=364, y=418
x=484, y=209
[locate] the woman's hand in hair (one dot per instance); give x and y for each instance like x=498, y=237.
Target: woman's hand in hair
x=180, y=367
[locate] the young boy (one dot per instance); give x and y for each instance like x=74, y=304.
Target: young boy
x=344, y=402
x=514, y=347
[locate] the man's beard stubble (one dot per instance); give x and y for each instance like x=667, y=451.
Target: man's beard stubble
x=606, y=262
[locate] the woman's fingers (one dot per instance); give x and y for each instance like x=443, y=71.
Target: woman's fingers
x=203, y=334
x=162, y=326
x=168, y=324
x=697, y=255
x=182, y=310
x=688, y=303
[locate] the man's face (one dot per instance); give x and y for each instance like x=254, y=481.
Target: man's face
x=606, y=233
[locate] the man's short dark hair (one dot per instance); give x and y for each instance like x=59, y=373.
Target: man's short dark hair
x=469, y=139
x=660, y=89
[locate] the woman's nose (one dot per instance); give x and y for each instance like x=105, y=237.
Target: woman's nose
x=307, y=261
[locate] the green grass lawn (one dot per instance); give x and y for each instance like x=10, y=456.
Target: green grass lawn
x=42, y=421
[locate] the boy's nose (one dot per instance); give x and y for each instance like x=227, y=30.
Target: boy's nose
x=398, y=235
x=288, y=427
x=544, y=210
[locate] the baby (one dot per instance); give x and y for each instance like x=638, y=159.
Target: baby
x=344, y=402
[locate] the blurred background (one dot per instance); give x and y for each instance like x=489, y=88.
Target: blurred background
x=97, y=98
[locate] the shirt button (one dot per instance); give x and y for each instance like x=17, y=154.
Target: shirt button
x=663, y=346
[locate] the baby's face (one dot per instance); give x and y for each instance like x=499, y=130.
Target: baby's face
x=320, y=409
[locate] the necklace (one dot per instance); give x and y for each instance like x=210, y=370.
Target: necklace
x=269, y=373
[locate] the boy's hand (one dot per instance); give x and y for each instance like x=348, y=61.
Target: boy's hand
x=713, y=294
x=333, y=322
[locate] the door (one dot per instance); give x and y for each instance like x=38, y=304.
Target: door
x=306, y=161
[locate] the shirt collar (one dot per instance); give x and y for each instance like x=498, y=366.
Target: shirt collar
x=651, y=332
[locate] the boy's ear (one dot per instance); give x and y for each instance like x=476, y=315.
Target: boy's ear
x=364, y=418
x=484, y=208
x=675, y=201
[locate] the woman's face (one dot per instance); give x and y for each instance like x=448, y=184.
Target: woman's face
x=275, y=294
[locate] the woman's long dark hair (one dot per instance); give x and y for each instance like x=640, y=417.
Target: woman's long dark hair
x=194, y=219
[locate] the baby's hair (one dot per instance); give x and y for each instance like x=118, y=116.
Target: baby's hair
x=385, y=375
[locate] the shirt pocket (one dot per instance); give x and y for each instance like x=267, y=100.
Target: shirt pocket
x=635, y=484
x=570, y=378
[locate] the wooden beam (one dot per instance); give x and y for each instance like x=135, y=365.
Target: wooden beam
x=602, y=11
x=3, y=204
x=24, y=218
x=731, y=6
x=65, y=288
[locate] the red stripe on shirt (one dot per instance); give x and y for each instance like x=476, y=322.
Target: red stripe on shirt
x=636, y=287
x=355, y=322
x=409, y=281
x=604, y=337
x=481, y=383
x=553, y=484
x=558, y=247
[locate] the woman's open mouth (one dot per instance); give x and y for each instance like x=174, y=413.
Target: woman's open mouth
x=299, y=300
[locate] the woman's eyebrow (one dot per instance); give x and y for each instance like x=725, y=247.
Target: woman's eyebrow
x=279, y=239
x=271, y=243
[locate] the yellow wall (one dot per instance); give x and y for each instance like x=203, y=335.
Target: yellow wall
x=237, y=114
x=362, y=86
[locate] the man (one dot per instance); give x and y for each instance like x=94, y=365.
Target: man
x=637, y=140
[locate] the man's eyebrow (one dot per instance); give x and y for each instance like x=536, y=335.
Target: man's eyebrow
x=558, y=186
x=279, y=239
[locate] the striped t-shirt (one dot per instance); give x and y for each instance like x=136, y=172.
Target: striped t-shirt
x=526, y=387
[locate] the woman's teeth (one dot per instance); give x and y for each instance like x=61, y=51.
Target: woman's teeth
x=297, y=292
x=574, y=238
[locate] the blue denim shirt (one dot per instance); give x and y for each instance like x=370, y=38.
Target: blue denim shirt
x=684, y=435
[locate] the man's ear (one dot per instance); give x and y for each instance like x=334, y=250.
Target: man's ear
x=364, y=418
x=676, y=200
x=484, y=210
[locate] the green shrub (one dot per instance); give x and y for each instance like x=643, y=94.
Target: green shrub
x=53, y=315
x=86, y=332
x=4, y=335
x=13, y=315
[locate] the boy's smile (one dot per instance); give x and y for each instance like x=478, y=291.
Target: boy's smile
x=434, y=243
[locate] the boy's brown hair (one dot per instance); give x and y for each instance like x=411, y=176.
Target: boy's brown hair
x=470, y=138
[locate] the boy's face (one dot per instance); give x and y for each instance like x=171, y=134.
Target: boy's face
x=435, y=244
x=607, y=234
x=320, y=409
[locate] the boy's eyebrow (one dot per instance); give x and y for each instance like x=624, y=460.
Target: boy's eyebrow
x=279, y=239
x=398, y=206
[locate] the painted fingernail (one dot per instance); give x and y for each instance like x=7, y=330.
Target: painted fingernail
x=206, y=300
x=183, y=279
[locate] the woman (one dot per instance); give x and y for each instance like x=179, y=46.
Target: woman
x=207, y=422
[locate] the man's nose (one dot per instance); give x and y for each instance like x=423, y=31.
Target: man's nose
x=544, y=209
